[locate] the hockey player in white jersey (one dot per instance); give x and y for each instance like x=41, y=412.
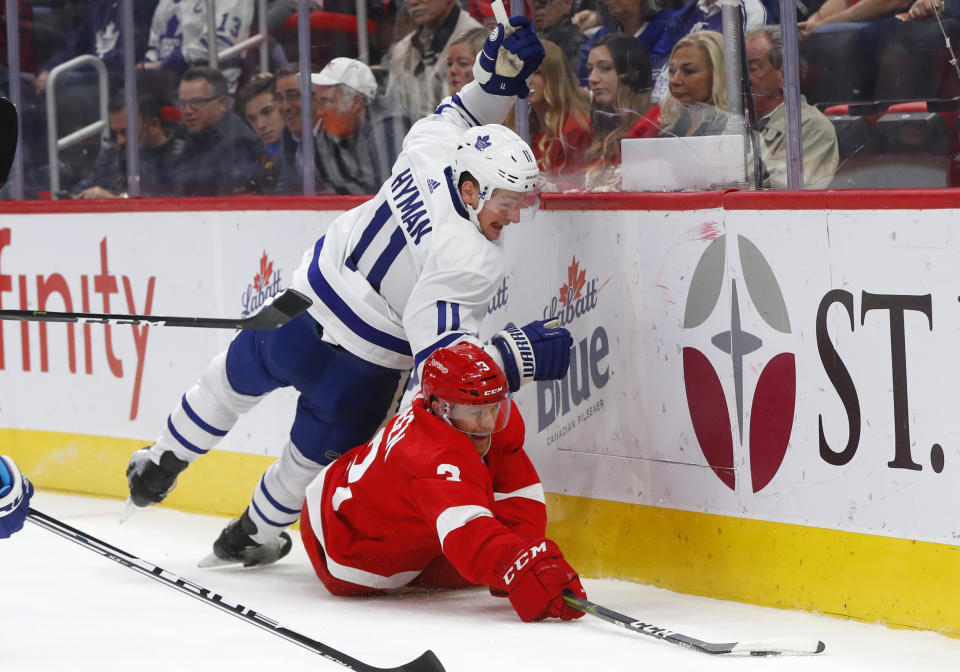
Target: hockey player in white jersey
x=392, y=280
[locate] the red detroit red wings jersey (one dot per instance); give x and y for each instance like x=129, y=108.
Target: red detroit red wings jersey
x=419, y=490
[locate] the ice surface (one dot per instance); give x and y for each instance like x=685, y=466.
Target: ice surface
x=63, y=607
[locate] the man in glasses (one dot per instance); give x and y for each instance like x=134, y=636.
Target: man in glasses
x=222, y=153
x=291, y=111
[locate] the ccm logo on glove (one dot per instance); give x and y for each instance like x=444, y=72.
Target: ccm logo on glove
x=522, y=561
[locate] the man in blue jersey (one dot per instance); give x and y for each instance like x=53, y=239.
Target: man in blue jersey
x=15, y=493
x=407, y=272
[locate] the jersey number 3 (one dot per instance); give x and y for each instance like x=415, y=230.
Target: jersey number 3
x=452, y=471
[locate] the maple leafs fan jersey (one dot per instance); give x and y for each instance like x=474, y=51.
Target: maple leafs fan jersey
x=418, y=490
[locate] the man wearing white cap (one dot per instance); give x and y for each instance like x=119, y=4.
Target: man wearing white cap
x=361, y=133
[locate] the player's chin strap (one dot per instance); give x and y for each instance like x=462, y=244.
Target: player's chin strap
x=473, y=213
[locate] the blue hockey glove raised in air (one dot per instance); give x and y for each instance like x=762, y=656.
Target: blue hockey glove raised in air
x=15, y=493
x=537, y=351
x=509, y=56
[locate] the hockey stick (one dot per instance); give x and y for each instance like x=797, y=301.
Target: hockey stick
x=771, y=648
x=283, y=309
x=9, y=132
x=427, y=662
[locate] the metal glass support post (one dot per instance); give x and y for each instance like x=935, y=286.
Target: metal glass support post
x=16, y=94
x=732, y=28
x=791, y=93
x=363, y=40
x=522, y=108
x=212, y=54
x=101, y=126
x=306, y=98
x=130, y=96
x=265, y=45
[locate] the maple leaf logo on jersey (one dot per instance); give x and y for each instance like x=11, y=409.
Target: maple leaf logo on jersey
x=261, y=279
x=482, y=142
x=576, y=279
x=432, y=184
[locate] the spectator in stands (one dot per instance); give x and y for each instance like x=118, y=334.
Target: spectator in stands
x=222, y=153
x=819, y=139
x=560, y=119
x=620, y=81
x=160, y=148
x=418, y=62
x=914, y=62
x=361, y=134
x=179, y=40
x=460, y=57
x=851, y=11
x=108, y=179
x=700, y=15
x=257, y=102
x=697, y=101
x=551, y=18
x=843, y=40
x=98, y=33
x=696, y=16
x=286, y=81
x=290, y=180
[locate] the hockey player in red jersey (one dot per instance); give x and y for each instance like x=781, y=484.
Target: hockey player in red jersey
x=443, y=496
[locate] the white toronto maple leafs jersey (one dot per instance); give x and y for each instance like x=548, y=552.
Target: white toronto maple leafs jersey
x=407, y=272
x=181, y=26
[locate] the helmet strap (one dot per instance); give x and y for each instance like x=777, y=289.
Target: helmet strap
x=473, y=213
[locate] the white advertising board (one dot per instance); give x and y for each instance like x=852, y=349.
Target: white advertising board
x=720, y=345
x=777, y=365
x=122, y=380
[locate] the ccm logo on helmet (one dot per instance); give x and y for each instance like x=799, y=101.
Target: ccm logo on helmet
x=494, y=391
x=523, y=560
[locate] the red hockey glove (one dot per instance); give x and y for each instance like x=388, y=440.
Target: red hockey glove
x=535, y=581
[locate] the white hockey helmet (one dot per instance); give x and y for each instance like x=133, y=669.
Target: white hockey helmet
x=498, y=158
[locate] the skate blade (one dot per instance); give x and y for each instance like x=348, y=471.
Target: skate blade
x=213, y=561
x=128, y=510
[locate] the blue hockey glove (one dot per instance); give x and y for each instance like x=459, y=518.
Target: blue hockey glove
x=537, y=351
x=509, y=56
x=15, y=493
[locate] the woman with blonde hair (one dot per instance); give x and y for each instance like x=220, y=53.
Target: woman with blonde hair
x=620, y=82
x=697, y=101
x=560, y=119
x=460, y=56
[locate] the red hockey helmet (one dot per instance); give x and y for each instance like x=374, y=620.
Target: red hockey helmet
x=471, y=388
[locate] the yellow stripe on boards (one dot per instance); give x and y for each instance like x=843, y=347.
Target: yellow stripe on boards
x=219, y=483
x=900, y=582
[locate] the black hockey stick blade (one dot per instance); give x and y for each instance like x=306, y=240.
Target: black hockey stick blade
x=777, y=647
x=9, y=132
x=283, y=309
x=427, y=662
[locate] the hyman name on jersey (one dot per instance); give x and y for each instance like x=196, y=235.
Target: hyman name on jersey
x=409, y=203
